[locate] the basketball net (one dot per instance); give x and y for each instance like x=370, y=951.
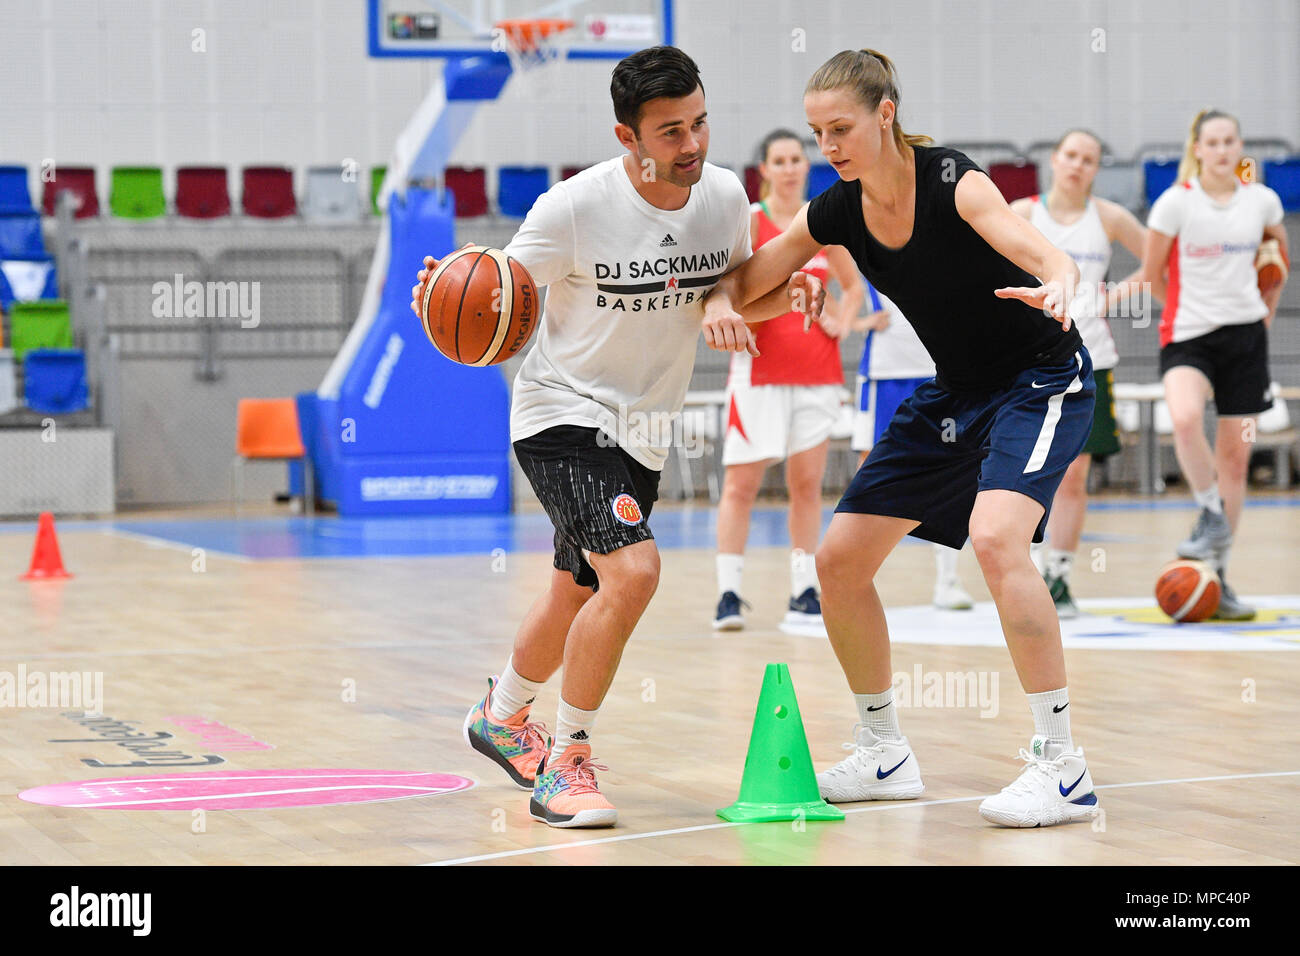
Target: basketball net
x=528, y=43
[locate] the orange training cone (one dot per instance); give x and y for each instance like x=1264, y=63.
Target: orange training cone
x=47, y=563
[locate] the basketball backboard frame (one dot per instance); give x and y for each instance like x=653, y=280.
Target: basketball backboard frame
x=477, y=39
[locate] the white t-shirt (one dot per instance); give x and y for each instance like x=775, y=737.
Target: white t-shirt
x=1086, y=242
x=1212, y=280
x=626, y=283
x=897, y=351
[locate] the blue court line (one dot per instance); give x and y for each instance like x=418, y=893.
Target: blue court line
x=292, y=537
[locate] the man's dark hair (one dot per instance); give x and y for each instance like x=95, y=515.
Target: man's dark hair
x=647, y=75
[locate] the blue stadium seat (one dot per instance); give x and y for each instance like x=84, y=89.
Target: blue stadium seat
x=518, y=188
x=1158, y=175
x=1283, y=177
x=14, y=195
x=54, y=380
x=20, y=236
x=821, y=177
x=27, y=279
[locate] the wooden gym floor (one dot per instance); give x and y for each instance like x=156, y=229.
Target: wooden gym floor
x=1194, y=750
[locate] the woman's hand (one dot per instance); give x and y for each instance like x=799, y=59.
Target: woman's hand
x=807, y=295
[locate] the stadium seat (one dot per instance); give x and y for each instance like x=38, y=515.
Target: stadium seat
x=329, y=197
x=1119, y=182
x=568, y=172
x=78, y=180
x=137, y=193
x=54, y=381
x=518, y=188
x=8, y=382
x=14, y=195
x=469, y=186
x=43, y=324
x=268, y=192
x=1283, y=177
x=1157, y=176
x=20, y=236
x=821, y=176
x=1014, y=180
x=753, y=183
x=27, y=279
x=201, y=192
x=266, y=429
x=377, y=174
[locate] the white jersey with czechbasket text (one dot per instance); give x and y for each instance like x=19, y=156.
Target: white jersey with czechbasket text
x=1086, y=242
x=1212, y=280
x=626, y=281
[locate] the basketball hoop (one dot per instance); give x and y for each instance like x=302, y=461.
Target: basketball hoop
x=528, y=42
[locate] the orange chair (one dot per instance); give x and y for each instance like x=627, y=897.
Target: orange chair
x=266, y=429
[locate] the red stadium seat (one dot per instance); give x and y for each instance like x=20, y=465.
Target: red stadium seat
x=78, y=180
x=753, y=182
x=568, y=172
x=201, y=192
x=469, y=186
x=268, y=192
x=1015, y=180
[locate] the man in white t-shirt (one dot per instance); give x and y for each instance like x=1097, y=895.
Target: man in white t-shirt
x=627, y=249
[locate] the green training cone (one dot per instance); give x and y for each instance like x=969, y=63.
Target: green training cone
x=779, y=782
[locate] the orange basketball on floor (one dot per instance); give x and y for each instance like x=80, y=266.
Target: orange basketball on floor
x=1188, y=591
x=1271, y=266
x=480, y=306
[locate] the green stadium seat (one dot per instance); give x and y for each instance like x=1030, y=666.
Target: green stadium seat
x=137, y=192
x=377, y=174
x=43, y=324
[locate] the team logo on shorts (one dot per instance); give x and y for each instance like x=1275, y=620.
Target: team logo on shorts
x=626, y=509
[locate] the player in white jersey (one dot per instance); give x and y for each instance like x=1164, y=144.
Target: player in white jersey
x=1206, y=230
x=894, y=364
x=1085, y=226
x=627, y=249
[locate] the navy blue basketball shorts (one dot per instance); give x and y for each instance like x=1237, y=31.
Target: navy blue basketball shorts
x=942, y=448
x=597, y=495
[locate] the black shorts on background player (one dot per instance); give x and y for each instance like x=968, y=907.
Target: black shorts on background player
x=1235, y=360
x=585, y=486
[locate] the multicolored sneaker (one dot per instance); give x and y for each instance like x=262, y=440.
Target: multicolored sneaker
x=804, y=609
x=1059, y=588
x=517, y=744
x=566, y=795
x=1054, y=787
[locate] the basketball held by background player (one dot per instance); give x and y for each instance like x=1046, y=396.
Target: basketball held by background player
x=1203, y=233
x=1084, y=226
x=783, y=403
x=979, y=451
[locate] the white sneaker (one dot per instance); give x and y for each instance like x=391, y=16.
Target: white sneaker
x=1055, y=787
x=951, y=596
x=876, y=770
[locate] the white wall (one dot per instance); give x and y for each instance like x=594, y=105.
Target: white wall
x=105, y=82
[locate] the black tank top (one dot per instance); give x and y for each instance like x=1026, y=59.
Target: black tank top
x=943, y=280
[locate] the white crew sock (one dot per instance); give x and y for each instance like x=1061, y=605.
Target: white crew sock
x=572, y=726
x=730, y=569
x=945, y=562
x=1059, y=564
x=803, y=572
x=1038, y=554
x=1052, y=716
x=880, y=714
x=1209, y=498
x=512, y=693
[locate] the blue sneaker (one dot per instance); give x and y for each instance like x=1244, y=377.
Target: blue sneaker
x=728, y=617
x=805, y=609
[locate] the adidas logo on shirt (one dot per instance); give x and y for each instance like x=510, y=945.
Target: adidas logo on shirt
x=668, y=240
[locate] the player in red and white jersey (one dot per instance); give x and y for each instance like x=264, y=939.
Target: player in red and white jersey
x=1206, y=229
x=1084, y=226
x=783, y=402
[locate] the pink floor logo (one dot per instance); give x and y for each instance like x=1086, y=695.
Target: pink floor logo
x=246, y=789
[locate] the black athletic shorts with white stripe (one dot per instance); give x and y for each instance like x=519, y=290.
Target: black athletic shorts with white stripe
x=597, y=495
x=942, y=448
